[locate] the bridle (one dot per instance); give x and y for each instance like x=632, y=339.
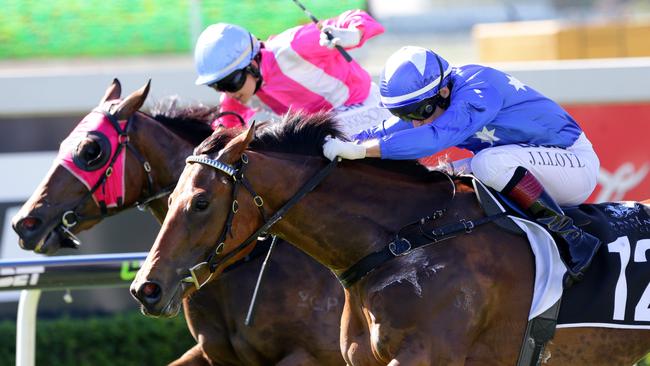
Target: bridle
x=72, y=217
x=236, y=174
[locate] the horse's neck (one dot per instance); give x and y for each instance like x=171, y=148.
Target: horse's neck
x=166, y=153
x=355, y=211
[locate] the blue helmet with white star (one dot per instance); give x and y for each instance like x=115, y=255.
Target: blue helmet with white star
x=221, y=49
x=412, y=74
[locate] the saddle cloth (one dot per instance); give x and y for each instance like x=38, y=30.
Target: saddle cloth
x=615, y=292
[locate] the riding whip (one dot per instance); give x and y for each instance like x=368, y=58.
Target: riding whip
x=329, y=35
x=251, y=308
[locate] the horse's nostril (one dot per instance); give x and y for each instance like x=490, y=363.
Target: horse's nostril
x=149, y=292
x=150, y=289
x=28, y=223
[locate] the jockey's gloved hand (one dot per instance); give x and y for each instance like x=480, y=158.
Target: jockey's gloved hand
x=334, y=147
x=344, y=37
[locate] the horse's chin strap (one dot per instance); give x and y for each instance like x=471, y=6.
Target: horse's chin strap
x=201, y=273
x=71, y=218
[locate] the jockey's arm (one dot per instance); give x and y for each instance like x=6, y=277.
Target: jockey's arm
x=372, y=148
x=468, y=113
x=305, y=40
x=356, y=19
x=387, y=127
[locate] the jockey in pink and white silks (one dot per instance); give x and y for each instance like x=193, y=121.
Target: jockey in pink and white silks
x=298, y=69
x=526, y=146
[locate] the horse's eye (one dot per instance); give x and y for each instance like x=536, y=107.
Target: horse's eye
x=200, y=204
x=90, y=151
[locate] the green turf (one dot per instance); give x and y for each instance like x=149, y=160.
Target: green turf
x=70, y=28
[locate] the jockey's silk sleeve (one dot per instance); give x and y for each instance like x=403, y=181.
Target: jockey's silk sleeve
x=488, y=108
x=386, y=127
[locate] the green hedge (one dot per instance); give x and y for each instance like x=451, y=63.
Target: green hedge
x=68, y=28
x=123, y=339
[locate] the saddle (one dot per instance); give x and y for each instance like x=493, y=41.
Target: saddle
x=607, y=221
x=613, y=292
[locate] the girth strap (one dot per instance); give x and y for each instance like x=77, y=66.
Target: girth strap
x=403, y=245
x=539, y=331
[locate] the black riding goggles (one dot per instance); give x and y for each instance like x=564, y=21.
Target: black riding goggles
x=417, y=111
x=231, y=83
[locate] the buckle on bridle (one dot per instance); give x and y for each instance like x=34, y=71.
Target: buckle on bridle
x=123, y=139
x=468, y=225
x=194, y=278
x=259, y=202
x=219, y=248
x=399, y=246
x=69, y=223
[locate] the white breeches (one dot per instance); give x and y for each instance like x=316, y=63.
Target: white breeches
x=568, y=175
x=358, y=117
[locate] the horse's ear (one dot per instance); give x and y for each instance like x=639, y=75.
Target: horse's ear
x=236, y=147
x=114, y=91
x=132, y=103
x=249, y=135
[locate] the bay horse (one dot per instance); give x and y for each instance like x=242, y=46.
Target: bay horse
x=282, y=332
x=461, y=301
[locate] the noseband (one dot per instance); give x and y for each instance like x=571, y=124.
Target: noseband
x=71, y=218
x=236, y=174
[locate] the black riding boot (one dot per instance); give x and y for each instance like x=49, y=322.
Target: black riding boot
x=526, y=191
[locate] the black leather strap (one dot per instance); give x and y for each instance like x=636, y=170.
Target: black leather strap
x=403, y=245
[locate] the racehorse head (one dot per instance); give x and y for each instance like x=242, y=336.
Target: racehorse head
x=216, y=208
x=114, y=159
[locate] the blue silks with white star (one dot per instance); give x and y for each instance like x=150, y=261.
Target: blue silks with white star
x=488, y=108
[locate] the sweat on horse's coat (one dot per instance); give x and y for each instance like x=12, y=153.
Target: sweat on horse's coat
x=415, y=260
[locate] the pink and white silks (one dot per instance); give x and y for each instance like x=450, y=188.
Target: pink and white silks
x=301, y=75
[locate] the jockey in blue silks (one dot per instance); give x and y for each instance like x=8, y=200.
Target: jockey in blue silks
x=525, y=145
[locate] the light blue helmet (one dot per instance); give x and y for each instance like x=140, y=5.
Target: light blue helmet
x=411, y=75
x=221, y=49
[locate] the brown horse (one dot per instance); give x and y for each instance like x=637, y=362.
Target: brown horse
x=289, y=306
x=462, y=301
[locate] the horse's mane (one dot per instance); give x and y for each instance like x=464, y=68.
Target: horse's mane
x=305, y=134
x=191, y=123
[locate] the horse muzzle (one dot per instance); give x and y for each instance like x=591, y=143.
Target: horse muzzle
x=30, y=231
x=153, y=301
x=36, y=235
